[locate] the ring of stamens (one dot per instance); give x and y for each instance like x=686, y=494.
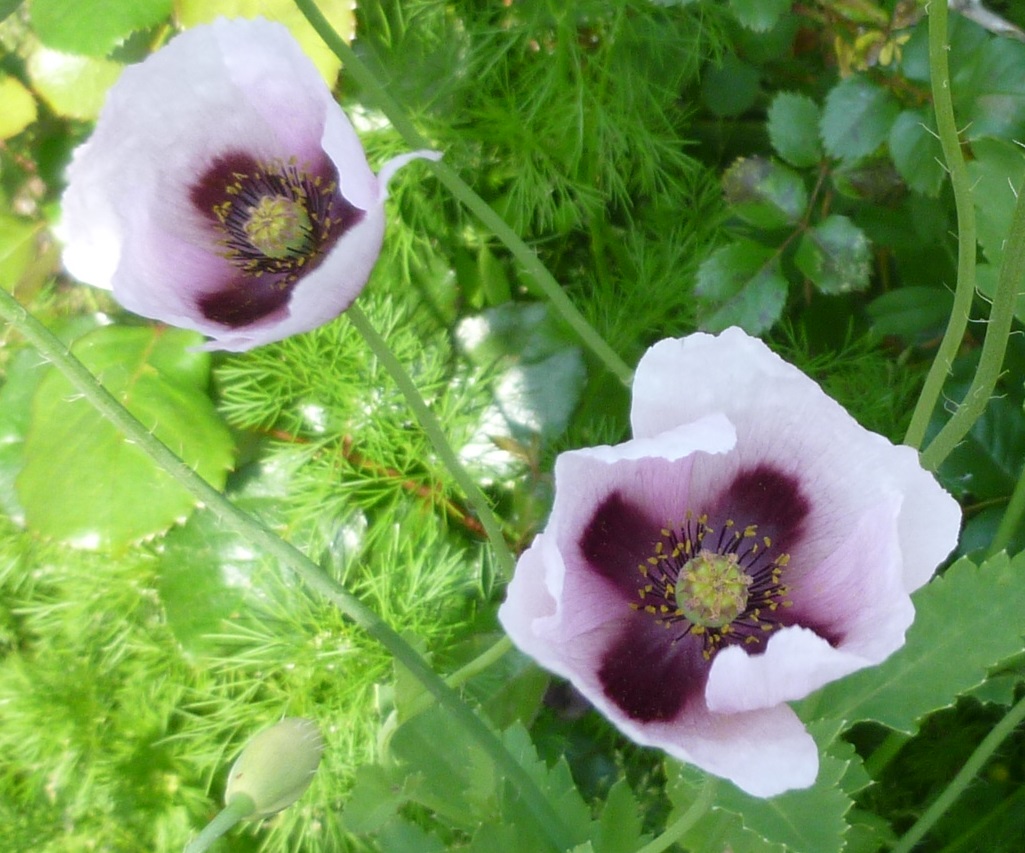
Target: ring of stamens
x=276, y=218
x=764, y=592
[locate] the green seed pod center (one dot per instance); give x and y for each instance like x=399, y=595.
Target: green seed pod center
x=711, y=589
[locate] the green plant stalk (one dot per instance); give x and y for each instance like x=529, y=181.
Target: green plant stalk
x=939, y=74
x=429, y=423
x=675, y=831
x=991, y=360
x=237, y=810
x=462, y=191
x=957, y=785
x=1013, y=517
x=421, y=703
x=263, y=538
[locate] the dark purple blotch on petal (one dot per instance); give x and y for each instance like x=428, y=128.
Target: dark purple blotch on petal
x=769, y=498
x=650, y=677
x=210, y=190
x=617, y=539
x=245, y=300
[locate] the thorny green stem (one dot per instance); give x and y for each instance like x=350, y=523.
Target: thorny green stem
x=237, y=810
x=1011, y=523
x=675, y=831
x=313, y=575
x=991, y=360
x=429, y=423
x=524, y=255
x=957, y=785
x=939, y=73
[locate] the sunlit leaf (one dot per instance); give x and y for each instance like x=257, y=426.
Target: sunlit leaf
x=73, y=86
x=96, y=27
x=835, y=255
x=16, y=248
x=765, y=193
x=17, y=107
x=741, y=285
x=110, y=493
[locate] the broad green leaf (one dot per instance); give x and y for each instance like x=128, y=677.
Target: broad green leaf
x=73, y=86
x=794, y=129
x=730, y=88
x=997, y=172
x=764, y=193
x=916, y=151
x=915, y=314
x=17, y=248
x=835, y=255
x=966, y=621
x=8, y=6
x=987, y=462
x=341, y=16
x=17, y=107
x=93, y=28
x=109, y=492
x=22, y=376
x=759, y=15
x=989, y=90
x=741, y=285
x=857, y=118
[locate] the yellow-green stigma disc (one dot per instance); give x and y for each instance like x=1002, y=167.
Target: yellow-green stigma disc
x=711, y=589
x=278, y=227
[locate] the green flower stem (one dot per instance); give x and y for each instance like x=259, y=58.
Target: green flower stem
x=238, y=809
x=429, y=424
x=675, y=831
x=266, y=540
x=524, y=255
x=957, y=785
x=421, y=703
x=991, y=360
x=939, y=73
x=1014, y=515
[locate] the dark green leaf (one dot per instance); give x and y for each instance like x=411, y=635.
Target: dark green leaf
x=916, y=151
x=989, y=90
x=794, y=129
x=857, y=118
x=986, y=463
x=730, y=88
x=967, y=621
x=986, y=278
x=618, y=830
x=764, y=193
x=741, y=285
x=914, y=314
x=759, y=15
x=835, y=255
x=110, y=492
x=96, y=27
x=997, y=172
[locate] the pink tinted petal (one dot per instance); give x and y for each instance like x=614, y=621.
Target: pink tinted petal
x=396, y=163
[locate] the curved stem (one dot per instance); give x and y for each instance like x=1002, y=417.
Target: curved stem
x=421, y=703
x=238, y=809
x=1011, y=523
x=462, y=191
x=961, y=781
x=1001, y=316
x=266, y=540
x=675, y=831
x=939, y=73
x=429, y=424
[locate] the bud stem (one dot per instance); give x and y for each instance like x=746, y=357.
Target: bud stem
x=240, y=807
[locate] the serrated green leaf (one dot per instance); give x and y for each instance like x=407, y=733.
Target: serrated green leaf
x=857, y=118
x=73, y=86
x=764, y=193
x=759, y=15
x=619, y=829
x=373, y=801
x=341, y=16
x=916, y=151
x=17, y=107
x=967, y=621
x=110, y=492
x=996, y=172
x=835, y=255
x=96, y=27
x=741, y=285
x=794, y=129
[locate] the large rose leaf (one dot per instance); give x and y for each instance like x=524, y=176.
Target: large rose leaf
x=81, y=480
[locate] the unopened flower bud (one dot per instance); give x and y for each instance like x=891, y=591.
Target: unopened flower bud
x=276, y=767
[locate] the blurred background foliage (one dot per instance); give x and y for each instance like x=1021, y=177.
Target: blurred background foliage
x=677, y=166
